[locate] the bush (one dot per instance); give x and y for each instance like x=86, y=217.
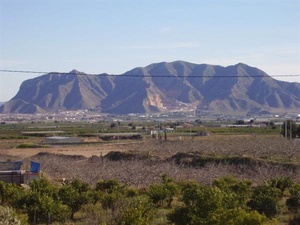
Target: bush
x=94, y=214
x=281, y=183
x=266, y=200
x=8, y=216
x=163, y=193
x=293, y=203
x=136, y=211
x=28, y=145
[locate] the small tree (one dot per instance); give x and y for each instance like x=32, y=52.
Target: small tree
x=42, y=204
x=293, y=203
x=282, y=183
x=109, y=186
x=239, y=191
x=136, y=211
x=74, y=195
x=266, y=200
x=10, y=194
x=93, y=214
x=157, y=194
x=241, y=216
x=43, y=208
x=109, y=192
x=163, y=193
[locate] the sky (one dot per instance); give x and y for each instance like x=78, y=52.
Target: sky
x=114, y=36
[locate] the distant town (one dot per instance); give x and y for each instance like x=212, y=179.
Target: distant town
x=189, y=116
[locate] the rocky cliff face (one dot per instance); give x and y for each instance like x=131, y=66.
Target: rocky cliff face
x=159, y=87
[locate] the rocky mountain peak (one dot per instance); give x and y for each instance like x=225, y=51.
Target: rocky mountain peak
x=160, y=87
x=76, y=72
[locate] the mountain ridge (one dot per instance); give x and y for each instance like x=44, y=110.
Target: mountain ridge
x=159, y=87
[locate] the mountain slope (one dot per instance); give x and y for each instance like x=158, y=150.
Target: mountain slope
x=159, y=87
x=52, y=92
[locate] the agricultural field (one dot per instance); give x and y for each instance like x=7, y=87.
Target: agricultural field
x=157, y=173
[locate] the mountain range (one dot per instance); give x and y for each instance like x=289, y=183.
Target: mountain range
x=159, y=87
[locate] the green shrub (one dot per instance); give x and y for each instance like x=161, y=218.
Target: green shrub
x=28, y=145
x=136, y=211
x=209, y=205
x=293, y=203
x=163, y=194
x=8, y=216
x=266, y=200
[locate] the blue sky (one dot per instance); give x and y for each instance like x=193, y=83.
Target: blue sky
x=114, y=36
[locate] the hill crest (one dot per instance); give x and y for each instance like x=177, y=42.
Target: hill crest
x=159, y=87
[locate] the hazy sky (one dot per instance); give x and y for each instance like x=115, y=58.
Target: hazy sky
x=114, y=36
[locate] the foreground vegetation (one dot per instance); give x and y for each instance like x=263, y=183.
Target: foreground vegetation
x=226, y=201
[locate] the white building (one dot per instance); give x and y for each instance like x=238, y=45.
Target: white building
x=62, y=140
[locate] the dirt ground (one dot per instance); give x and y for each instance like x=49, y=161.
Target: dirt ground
x=9, y=147
x=88, y=148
